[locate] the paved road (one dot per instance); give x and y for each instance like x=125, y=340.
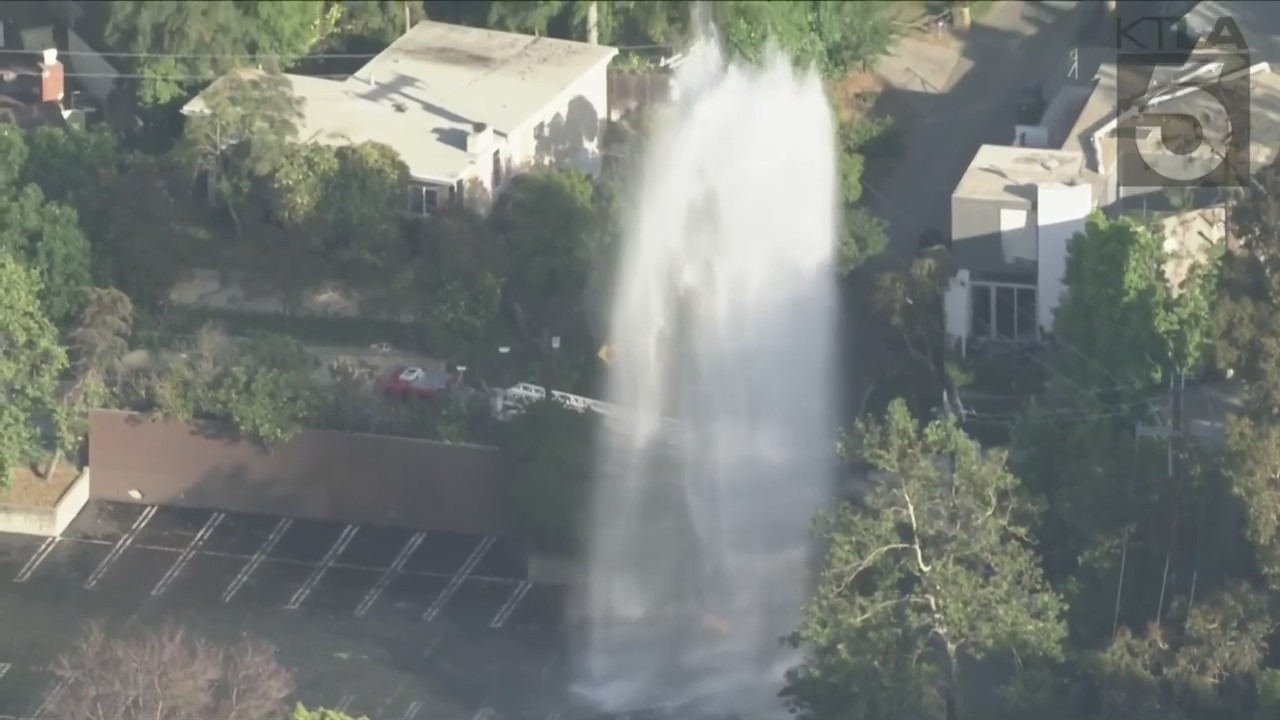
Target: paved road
x=1014, y=44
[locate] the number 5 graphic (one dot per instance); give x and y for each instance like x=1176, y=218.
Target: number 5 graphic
x=1209, y=126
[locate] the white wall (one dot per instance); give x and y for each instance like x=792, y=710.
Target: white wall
x=1017, y=234
x=571, y=126
x=1062, y=212
x=956, y=308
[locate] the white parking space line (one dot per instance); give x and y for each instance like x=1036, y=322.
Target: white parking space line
x=345, y=703
x=338, y=546
x=372, y=596
x=41, y=553
x=505, y=612
x=4, y=669
x=484, y=713
x=467, y=566
x=267, y=545
x=121, y=545
x=192, y=548
x=412, y=712
x=50, y=699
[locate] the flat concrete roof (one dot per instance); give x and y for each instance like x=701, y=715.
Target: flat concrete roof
x=998, y=171
x=424, y=92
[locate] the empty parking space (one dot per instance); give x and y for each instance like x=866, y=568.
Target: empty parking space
x=407, y=598
x=307, y=541
x=541, y=609
x=443, y=553
x=504, y=560
x=338, y=591
x=273, y=584
x=67, y=562
x=242, y=534
x=104, y=521
x=376, y=547
x=172, y=528
x=205, y=579
x=477, y=603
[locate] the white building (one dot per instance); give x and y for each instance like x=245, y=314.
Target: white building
x=1016, y=209
x=466, y=108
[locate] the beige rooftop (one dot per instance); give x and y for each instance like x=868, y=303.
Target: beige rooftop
x=997, y=171
x=424, y=92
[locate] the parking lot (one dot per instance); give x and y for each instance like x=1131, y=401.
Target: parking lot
x=386, y=622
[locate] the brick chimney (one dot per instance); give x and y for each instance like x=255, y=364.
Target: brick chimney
x=52, y=77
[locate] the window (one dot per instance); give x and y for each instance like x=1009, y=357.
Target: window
x=422, y=199
x=1004, y=312
x=1027, y=322
x=981, y=311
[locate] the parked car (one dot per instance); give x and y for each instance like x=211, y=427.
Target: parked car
x=411, y=381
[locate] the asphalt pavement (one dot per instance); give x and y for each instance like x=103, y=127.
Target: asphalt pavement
x=385, y=622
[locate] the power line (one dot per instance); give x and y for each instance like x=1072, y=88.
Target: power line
x=277, y=56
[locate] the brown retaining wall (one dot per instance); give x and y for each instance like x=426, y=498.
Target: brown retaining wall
x=323, y=474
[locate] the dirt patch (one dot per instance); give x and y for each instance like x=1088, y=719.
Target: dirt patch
x=856, y=93
x=30, y=490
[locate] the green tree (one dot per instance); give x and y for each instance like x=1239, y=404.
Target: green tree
x=71, y=165
x=47, y=236
x=548, y=228
x=835, y=37
x=13, y=154
x=863, y=235
x=367, y=195
x=378, y=21
x=181, y=44
x=260, y=384
x=30, y=362
x=548, y=444
x=1121, y=320
x=243, y=130
x=144, y=245
x=454, y=283
x=345, y=202
x=1246, y=323
x=98, y=345
x=933, y=565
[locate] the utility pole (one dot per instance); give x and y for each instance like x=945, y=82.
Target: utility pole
x=1177, y=468
x=593, y=22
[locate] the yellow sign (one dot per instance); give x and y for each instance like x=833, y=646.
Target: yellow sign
x=607, y=353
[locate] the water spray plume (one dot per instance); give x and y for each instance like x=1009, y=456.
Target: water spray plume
x=724, y=323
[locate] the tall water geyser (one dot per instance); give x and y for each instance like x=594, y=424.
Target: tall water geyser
x=724, y=323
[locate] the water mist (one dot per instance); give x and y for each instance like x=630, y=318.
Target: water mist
x=724, y=323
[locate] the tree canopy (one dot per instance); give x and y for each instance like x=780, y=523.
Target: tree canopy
x=31, y=360
x=933, y=564
x=1122, y=313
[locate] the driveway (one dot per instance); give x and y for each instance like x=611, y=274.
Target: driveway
x=1014, y=44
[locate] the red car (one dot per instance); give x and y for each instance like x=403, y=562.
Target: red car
x=409, y=381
